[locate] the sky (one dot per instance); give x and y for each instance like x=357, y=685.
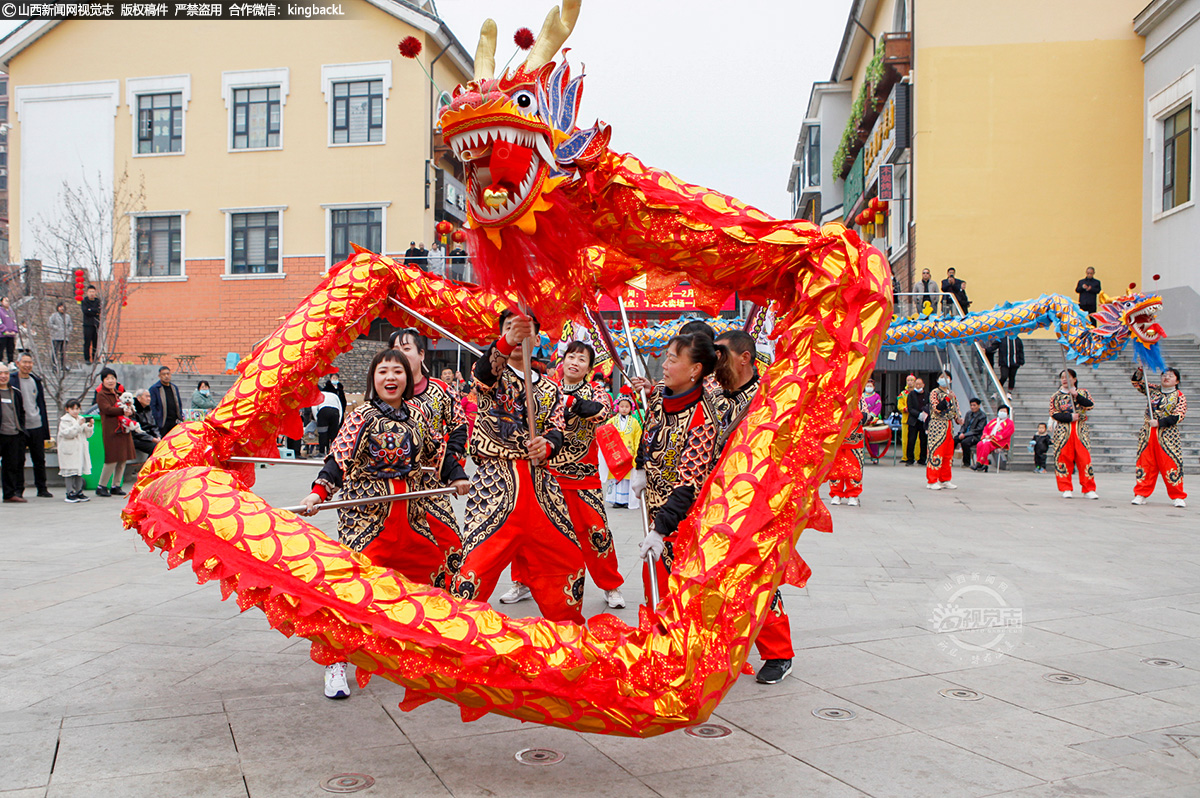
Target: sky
x=713, y=92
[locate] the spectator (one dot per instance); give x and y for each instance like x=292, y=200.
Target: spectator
x=8, y=334
x=36, y=421
x=25, y=338
x=470, y=403
x=118, y=444
x=928, y=291
x=148, y=437
x=437, y=260
x=329, y=420
x=458, y=263
x=874, y=401
x=996, y=436
x=423, y=254
x=1088, y=289
x=412, y=255
x=202, y=398
x=902, y=406
x=91, y=323
x=60, y=323
x=1012, y=356
x=12, y=440
x=918, y=415
x=74, y=457
x=971, y=431
x=1039, y=444
x=956, y=288
x=165, y=402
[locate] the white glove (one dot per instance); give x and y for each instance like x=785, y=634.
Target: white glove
x=651, y=545
x=637, y=481
x=922, y=416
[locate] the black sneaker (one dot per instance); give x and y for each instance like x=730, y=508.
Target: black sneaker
x=102, y=491
x=773, y=671
x=45, y=494
x=116, y=491
x=71, y=498
x=81, y=497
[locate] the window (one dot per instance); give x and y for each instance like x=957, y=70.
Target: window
x=1177, y=158
x=899, y=211
x=813, y=156
x=254, y=248
x=160, y=123
x=900, y=16
x=159, y=246
x=362, y=226
x=358, y=112
x=257, y=118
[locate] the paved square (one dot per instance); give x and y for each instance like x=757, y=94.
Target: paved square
x=121, y=678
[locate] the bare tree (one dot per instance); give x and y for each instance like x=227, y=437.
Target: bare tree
x=87, y=229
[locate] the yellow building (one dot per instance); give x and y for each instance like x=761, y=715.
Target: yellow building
x=1025, y=141
x=264, y=149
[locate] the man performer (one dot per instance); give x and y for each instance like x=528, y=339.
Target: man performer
x=516, y=513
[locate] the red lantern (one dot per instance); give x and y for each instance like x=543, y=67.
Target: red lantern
x=443, y=227
x=458, y=236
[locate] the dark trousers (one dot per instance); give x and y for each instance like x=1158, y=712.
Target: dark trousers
x=916, y=432
x=294, y=444
x=967, y=445
x=167, y=425
x=12, y=464
x=35, y=442
x=1039, y=454
x=90, y=335
x=328, y=424
x=1008, y=374
x=60, y=355
x=8, y=348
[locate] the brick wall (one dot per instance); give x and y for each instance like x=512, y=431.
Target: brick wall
x=352, y=365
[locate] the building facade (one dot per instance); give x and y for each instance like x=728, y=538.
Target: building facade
x=1170, y=218
x=816, y=192
x=246, y=157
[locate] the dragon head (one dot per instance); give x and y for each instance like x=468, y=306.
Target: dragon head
x=516, y=134
x=1132, y=314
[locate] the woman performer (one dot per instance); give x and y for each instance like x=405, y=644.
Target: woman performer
x=445, y=445
x=845, y=478
x=1071, y=440
x=943, y=411
x=996, y=435
x=375, y=454
x=872, y=399
x=1160, y=450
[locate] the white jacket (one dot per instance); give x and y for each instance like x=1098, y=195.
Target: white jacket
x=74, y=459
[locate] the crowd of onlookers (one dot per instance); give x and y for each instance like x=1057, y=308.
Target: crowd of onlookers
x=17, y=338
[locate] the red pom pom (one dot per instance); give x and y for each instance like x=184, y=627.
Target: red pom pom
x=410, y=47
x=523, y=38
x=1157, y=277
x=1132, y=286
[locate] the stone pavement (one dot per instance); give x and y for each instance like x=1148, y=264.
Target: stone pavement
x=121, y=678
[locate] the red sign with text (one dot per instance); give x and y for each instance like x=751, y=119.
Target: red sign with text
x=682, y=298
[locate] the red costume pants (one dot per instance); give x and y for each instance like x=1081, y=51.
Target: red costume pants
x=517, y=515
x=938, y=466
x=400, y=547
x=586, y=508
x=845, y=478
x=984, y=450
x=1074, y=455
x=1152, y=462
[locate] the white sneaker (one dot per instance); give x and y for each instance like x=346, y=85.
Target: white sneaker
x=335, y=681
x=949, y=486
x=852, y=501
x=1180, y=503
x=1066, y=494
x=518, y=592
x=1091, y=494
x=934, y=486
x=614, y=598
x=836, y=500
x=1138, y=500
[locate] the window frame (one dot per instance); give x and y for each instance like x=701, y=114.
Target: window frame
x=134, y=218
x=1170, y=146
x=332, y=74
x=172, y=109
x=135, y=88
x=1164, y=104
x=230, y=213
x=331, y=207
x=233, y=81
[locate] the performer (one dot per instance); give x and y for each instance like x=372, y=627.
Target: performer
x=1160, y=450
x=631, y=433
x=1071, y=439
x=516, y=513
x=996, y=435
x=738, y=376
x=374, y=454
x=445, y=446
x=845, y=478
x=873, y=400
x=943, y=411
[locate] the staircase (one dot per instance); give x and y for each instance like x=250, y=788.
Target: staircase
x=1119, y=410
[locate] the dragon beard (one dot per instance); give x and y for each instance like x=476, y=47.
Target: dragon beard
x=547, y=268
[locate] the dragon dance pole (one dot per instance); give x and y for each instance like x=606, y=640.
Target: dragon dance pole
x=527, y=366
x=287, y=461
x=391, y=497
x=434, y=325
x=634, y=357
x=650, y=563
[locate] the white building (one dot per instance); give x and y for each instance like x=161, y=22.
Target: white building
x=816, y=191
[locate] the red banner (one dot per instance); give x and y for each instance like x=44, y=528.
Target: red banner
x=681, y=299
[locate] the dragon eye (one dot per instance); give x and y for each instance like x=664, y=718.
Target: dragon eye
x=525, y=100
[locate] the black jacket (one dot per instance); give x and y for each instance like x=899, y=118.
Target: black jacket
x=42, y=433
x=144, y=441
x=18, y=407
x=972, y=426
x=918, y=403
x=91, y=311
x=1011, y=349
x=1088, y=289
x=959, y=290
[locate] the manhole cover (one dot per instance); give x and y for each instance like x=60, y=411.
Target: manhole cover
x=539, y=756
x=347, y=782
x=1064, y=678
x=1159, y=662
x=835, y=713
x=960, y=694
x=709, y=731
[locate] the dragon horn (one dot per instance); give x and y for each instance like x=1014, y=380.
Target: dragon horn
x=554, y=33
x=485, y=53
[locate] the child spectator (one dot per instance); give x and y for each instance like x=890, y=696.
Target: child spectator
x=74, y=459
x=1039, y=445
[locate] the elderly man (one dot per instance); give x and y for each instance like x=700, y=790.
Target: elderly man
x=148, y=438
x=971, y=431
x=165, y=402
x=36, y=420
